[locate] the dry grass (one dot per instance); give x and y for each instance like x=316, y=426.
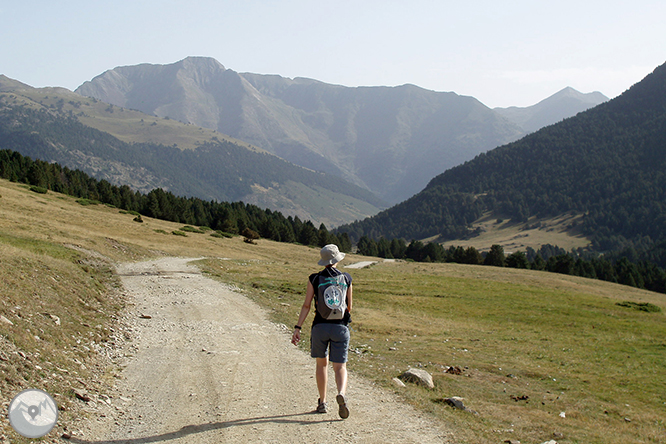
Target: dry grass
x=563, y=231
x=561, y=341
x=60, y=305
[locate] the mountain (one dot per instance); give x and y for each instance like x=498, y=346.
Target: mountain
x=57, y=125
x=606, y=165
x=559, y=106
x=390, y=140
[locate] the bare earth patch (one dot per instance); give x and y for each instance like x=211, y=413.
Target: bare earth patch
x=206, y=366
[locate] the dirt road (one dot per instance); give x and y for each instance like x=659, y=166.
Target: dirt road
x=206, y=366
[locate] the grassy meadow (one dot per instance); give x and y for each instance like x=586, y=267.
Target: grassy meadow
x=543, y=356
x=531, y=345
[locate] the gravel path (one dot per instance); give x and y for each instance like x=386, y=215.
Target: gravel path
x=206, y=366
x=361, y=264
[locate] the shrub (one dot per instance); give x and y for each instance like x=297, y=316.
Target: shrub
x=40, y=190
x=178, y=233
x=250, y=236
x=641, y=306
x=189, y=229
x=133, y=213
x=86, y=202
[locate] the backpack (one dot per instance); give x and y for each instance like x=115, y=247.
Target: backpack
x=331, y=301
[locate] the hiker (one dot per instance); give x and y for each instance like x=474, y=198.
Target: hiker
x=331, y=290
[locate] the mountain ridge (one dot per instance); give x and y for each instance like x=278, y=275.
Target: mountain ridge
x=8, y=84
x=390, y=140
x=562, y=104
x=370, y=136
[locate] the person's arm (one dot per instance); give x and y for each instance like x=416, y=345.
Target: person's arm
x=349, y=298
x=305, y=310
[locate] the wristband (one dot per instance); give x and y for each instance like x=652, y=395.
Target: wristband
x=297, y=327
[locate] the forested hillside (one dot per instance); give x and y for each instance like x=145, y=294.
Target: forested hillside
x=608, y=163
x=216, y=170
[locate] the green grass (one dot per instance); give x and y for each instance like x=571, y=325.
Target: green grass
x=641, y=306
x=133, y=213
x=190, y=229
x=39, y=190
x=565, y=350
x=86, y=202
x=221, y=235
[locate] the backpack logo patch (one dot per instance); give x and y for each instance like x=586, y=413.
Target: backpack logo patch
x=332, y=297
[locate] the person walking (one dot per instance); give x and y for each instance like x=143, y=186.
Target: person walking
x=331, y=291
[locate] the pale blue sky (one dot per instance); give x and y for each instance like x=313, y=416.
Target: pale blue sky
x=501, y=52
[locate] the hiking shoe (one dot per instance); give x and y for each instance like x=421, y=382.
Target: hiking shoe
x=322, y=407
x=342, y=403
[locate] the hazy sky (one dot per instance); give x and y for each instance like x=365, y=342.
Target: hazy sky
x=501, y=52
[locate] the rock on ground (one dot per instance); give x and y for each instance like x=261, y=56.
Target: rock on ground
x=418, y=376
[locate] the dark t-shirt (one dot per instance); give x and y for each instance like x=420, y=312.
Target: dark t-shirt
x=314, y=280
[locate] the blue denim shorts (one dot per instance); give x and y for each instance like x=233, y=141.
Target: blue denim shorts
x=334, y=335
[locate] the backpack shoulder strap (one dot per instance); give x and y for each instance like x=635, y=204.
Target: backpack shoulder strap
x=313, y=279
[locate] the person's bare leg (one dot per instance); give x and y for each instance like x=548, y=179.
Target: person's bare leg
x=340, y=370
x=322, y=377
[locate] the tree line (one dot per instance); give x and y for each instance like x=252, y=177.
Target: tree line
x=617, y=268
x=233, y=218
x=238, y=218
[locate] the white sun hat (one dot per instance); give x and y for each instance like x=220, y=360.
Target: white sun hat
x=330, y=255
